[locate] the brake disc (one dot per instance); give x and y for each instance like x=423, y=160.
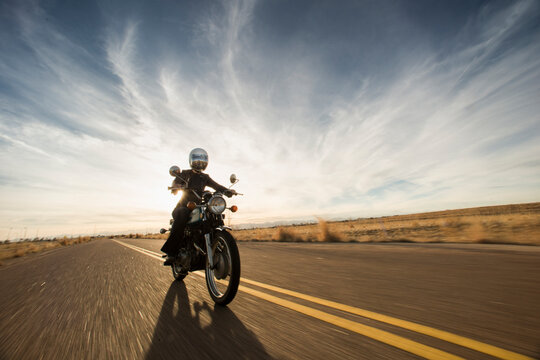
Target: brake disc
x=221, y=269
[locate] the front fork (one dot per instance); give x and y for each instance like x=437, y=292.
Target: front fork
x=209, y=252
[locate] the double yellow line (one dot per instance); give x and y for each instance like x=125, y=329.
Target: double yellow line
x=386, y=337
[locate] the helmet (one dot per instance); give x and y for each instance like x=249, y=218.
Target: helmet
x=198, y=159
x=174, y=170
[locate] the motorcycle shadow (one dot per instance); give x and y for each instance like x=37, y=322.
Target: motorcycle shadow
x=201, y=331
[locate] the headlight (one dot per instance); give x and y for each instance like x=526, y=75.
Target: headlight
x=217, y=204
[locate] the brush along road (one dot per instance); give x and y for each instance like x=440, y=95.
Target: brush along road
x=113, y=299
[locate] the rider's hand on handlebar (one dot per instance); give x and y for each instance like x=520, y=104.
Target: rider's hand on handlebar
x=230, y=192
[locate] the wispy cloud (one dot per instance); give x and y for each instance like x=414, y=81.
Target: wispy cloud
x=311, y=128
x=427, y=126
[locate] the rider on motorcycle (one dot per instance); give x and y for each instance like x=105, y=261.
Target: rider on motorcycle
x=196, y=180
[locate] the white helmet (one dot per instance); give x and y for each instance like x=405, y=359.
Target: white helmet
x=198, y=159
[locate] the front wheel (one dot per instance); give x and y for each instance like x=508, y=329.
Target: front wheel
x=223, y=280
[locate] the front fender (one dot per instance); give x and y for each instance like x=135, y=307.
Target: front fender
x=223, y=228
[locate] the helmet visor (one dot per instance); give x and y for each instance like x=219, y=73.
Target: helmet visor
x=199, y=161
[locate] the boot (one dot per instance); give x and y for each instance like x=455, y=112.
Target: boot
x=169, y=260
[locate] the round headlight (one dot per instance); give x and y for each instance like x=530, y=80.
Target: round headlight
x=217, y=204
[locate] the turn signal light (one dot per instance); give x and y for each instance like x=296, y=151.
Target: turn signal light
x=191, y=205
x=234, y=208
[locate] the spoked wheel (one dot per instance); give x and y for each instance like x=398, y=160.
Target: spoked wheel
x=223, y=280
x=177, y=271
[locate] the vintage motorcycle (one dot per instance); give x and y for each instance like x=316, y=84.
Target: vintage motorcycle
x=210, y=245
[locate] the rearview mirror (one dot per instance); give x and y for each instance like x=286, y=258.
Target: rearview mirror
x=233, y=178
x=174, y=170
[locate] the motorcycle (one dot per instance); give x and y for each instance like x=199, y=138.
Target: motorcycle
x=210, y=245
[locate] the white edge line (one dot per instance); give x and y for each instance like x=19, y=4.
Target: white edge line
x=151, y=254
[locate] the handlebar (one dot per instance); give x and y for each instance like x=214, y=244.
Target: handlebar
x=178, y=177
x=181, y=188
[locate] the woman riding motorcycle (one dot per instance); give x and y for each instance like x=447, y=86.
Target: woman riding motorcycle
x=195, y=180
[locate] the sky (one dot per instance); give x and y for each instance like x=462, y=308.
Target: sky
x=332, y=109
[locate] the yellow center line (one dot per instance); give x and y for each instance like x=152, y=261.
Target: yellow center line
x=386, y=337
x=422, y=329
x=366, y=330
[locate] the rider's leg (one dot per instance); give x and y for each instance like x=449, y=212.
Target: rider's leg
x=176, y=236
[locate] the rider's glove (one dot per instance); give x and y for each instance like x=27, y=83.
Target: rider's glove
x=229, y=193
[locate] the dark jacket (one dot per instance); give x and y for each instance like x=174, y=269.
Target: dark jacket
x=196, y=181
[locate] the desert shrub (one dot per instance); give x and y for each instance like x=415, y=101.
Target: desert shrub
x=476, y=232
x=284, y=235
x=19, y=253
x=325, y=235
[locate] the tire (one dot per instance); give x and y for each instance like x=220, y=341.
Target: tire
x=177, y=273
x=223, y=281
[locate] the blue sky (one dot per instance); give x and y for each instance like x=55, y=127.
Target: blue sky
x=322, y=108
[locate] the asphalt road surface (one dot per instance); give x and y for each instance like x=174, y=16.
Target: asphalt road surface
x=114, y=300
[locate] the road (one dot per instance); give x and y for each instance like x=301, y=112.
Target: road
x=112, y=299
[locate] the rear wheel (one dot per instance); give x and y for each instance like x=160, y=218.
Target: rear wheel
x=223, y=280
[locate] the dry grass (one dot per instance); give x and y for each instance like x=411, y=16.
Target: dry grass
x=287, y=235
x=157, y=236
x=507, y=224
x=325, y=235
x=322, y=232
x=9, y=250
